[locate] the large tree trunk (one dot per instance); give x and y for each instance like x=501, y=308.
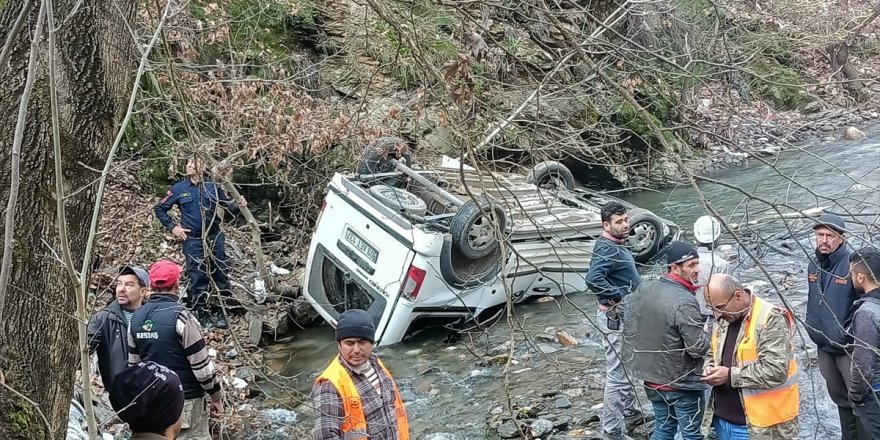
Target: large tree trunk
x=95, y=57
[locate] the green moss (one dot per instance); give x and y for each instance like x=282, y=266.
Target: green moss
x=258, y=27
x=196, y=9
x=772, y=71
x=512, y=44
x=21, y=417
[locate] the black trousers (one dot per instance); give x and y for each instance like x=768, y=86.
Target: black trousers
x=836, y=371
x=868, y=413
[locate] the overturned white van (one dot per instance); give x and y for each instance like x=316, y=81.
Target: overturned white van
x=417, y=248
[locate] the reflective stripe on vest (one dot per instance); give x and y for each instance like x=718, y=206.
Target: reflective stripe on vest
x=764, y=407
x=354, y=425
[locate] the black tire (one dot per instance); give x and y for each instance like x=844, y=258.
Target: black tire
x=399, y=199
x=551, y=175
x=376, y=157
x=645, y=235
x=473, y=228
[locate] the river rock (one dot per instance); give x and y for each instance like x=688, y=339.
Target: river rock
x=547, y=348
x=508, y=429
x=500, y=349
x=442, y=436
x=566, y=339
x=562, y=402
x=244, y=373
x=279, y=416
x=853, y=134
x=500, y=359
x=545, y=337
x=562, y=424
x=301, y=313
x=278, y=326
x=589, y=418
x=541, y=427
x=574, y=392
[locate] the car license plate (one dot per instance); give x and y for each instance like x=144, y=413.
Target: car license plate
x=361, y=245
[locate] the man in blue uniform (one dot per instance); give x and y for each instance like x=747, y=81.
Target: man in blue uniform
x=204, y=244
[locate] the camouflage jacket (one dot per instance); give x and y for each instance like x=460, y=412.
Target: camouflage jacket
x=774, y=352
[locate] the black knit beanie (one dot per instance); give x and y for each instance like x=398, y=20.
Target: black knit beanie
x=355, y=323
x=147, y=396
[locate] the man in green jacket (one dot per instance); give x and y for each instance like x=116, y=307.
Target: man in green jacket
x=750, y=366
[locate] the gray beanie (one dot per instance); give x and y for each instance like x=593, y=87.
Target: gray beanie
x=355, y=323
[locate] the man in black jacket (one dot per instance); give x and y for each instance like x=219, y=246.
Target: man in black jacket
x=830, y=305
x=613, y=275
x=108, y=328
x=864, y=384
x=665, y=340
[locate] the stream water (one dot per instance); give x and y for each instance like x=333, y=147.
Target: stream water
x=448, y=390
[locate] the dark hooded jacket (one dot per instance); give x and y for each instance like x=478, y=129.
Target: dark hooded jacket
x=865, y=378
x=830, y=300
x=108, y=333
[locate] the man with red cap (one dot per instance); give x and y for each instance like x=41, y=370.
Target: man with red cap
x=165, y=332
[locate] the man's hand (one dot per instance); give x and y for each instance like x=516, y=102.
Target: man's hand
x=180, y=232
x=242, y=202
x=216, y=408
x=716, y=376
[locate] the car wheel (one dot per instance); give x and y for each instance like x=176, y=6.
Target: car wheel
x=551, y=175
x=399, y=199
x=645, y=235
x=376, y=158
x=473, y=228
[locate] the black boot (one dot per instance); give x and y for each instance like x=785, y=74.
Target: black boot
x=848, y=424
x=204, y=319
x=221, y=321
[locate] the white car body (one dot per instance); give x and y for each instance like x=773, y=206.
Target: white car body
x=404, y=272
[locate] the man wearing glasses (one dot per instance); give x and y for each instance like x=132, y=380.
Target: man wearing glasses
x=830, y=306
x=750, y=365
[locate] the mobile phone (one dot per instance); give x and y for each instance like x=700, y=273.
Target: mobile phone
x=613, y=319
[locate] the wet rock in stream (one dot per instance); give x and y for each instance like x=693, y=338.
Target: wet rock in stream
x=442, y=436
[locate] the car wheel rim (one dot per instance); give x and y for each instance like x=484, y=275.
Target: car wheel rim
x=391, y=194
x=552, y=182
x=641, y=237
x=480, y=235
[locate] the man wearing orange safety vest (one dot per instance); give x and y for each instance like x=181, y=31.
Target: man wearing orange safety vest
x=750, y=365
x=356, y=397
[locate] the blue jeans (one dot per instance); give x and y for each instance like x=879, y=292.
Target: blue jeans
x=728, y=431
x=677, y=411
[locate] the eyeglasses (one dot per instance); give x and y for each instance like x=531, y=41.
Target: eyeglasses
x=723, y=307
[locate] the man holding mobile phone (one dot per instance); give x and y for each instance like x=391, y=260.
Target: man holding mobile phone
x=612, y=276
x=751, y=365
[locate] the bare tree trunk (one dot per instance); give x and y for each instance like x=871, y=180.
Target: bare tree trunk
x=94, y=61
x=845, y=70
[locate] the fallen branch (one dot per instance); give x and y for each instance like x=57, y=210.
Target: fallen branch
x=812, y=212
